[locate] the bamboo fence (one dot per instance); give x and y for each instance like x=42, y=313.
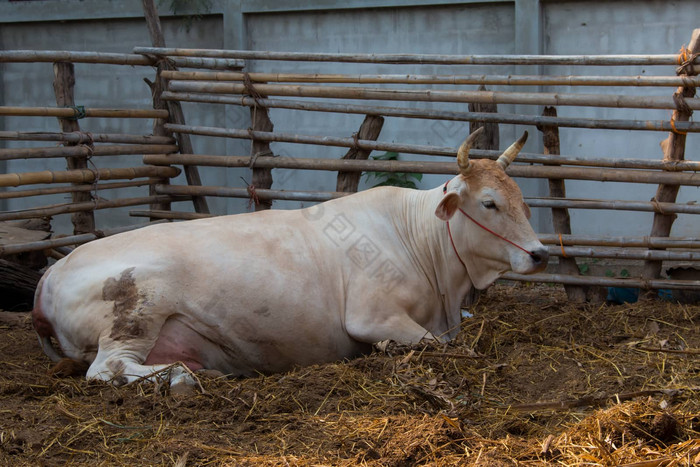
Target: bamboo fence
x=413, y=96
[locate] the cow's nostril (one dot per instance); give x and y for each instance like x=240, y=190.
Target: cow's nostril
x=540, y=256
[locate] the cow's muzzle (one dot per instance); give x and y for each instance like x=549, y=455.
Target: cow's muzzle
x=539, y=257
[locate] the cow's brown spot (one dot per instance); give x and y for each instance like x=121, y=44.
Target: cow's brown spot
x=128, y=319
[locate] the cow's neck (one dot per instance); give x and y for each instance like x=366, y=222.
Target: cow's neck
x=429, y=243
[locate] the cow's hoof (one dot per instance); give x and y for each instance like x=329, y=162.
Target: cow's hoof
x=182, y=389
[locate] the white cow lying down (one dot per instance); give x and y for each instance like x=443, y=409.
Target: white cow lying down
x=270, y=290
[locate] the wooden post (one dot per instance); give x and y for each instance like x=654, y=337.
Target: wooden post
x=174, y=108
x=560, y=216
x=63, y=85
x=369, y=130
x=674, y=150
x=489, y=139
x=262, y=178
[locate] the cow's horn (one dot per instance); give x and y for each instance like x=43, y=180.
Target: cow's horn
x=463, y=153
x=509, y=154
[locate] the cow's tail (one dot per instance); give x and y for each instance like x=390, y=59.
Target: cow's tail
x=42, y=326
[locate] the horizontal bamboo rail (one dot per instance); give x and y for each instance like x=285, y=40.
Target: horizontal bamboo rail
x=515, y=170
x=643, y=242
x=625, y=253
x=68, y=208
x=69, y=112
x=603, y=281
x=86, y=176
x=393, y=166
x=615, y=205
x=67, y=241
x=84, y=138
x=422, y=59
x=438, y=95
x=33, y=56
x=592, y=123
x=73, y=188
x=260, y=193
x=86, y=151
x=491, y=80
x=674, y=166
x=159, y=214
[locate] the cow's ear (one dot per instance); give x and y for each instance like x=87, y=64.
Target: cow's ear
x=526, y=208
x=450, y=202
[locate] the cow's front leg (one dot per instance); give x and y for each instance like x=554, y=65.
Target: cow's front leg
x=397, y=326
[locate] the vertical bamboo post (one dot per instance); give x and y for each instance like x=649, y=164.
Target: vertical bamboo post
x=157, y=88
x=560, y=216
x=174, y=107
x=63, y=85
x=262, y=178
x=674, y=150
x=369, y=130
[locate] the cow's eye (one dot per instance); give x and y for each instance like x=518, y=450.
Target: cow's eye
x=489, y=204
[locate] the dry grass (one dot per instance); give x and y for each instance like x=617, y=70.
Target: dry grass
x=530, y=380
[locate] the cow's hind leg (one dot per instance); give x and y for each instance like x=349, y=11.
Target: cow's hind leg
x=119, y=362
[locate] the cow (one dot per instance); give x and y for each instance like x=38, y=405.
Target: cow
x=267, y=291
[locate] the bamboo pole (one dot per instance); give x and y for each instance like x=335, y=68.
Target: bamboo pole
x=261, y=193
x=490, y=80
x=622, y=253
x=63, y=85
x=560, y=216
x=175, y=215
x=6, y=250
x=639, y=125
x=640, y=242
x=423, y=59
x=36, y=56
x=369, y=130
x=73, y=188
x=603, y=281
x=437, y=95
x=674, y=150
x=262, y=177
x=490, y=137
x=81, y=137
x=88, y=206
x=86, y=175
x=85, y=151
x=616, y=205
x=69, y=112
x=174, y=109
x=515, y=170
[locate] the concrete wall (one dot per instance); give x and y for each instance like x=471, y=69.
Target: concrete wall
x=413, y=26
x=620, y=27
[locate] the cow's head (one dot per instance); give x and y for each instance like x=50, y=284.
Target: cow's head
x=488, y=219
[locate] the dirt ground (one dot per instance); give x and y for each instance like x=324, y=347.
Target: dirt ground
x=530, y=380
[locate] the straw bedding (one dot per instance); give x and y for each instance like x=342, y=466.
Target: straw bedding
x=530, y=380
